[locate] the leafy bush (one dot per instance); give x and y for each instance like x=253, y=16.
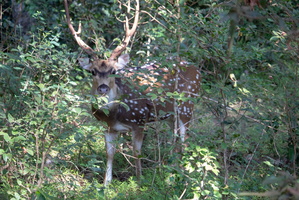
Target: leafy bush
x=245, y=127
x=41, y=112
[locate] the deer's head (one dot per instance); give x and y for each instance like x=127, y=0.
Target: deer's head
x=102, y=70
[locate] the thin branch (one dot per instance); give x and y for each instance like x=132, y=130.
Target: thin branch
x=134, y=157
x=250, y=159
x=155, y=19
x=232, y=109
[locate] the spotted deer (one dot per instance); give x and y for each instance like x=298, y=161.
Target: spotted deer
x=129, y=105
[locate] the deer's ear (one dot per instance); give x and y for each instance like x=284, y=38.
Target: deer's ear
x=85, y=63
x=122, y=61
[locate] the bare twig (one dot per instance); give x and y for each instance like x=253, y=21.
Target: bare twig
x=246, y=116
x=155, y=19
x=250, y=159
x=130, y=156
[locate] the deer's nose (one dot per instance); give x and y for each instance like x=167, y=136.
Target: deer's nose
x=103, y=89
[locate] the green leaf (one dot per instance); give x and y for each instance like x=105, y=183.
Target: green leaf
x=10, y=118
x=2, y=151
x=106, y=111
x=269, y=163
x=73, y=83
x=152, y=96
x=30, y=152
x=125, y=106
x=41, y=86
x=55, y=43
x=77, y=110
x=244, y=91
x=18, y=138
x=169, y=94
x=6, y=137
x=6, y=157
x=30, y=59
x=17, y=196
x=39, y=196
x=19, y=182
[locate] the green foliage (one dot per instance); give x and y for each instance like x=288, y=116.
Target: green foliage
x=198, y=177
x=41, y=115
x=245, y=128
x=282, y=186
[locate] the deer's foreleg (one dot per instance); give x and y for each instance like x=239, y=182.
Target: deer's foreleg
x=110, y=150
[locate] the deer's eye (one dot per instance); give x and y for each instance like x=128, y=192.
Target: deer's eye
x=93, y=72
x=113, y=71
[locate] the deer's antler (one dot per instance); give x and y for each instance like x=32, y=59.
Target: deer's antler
x=129, y=31
x=76, y=34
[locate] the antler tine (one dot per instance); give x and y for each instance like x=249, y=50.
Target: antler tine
x=129, y=32
x=78, y=39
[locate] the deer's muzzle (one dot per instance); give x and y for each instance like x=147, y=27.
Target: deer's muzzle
x=103, y=89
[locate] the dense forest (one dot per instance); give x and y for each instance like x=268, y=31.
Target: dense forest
x=243, y=136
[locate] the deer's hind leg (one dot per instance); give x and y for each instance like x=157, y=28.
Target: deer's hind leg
x=137, y=140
